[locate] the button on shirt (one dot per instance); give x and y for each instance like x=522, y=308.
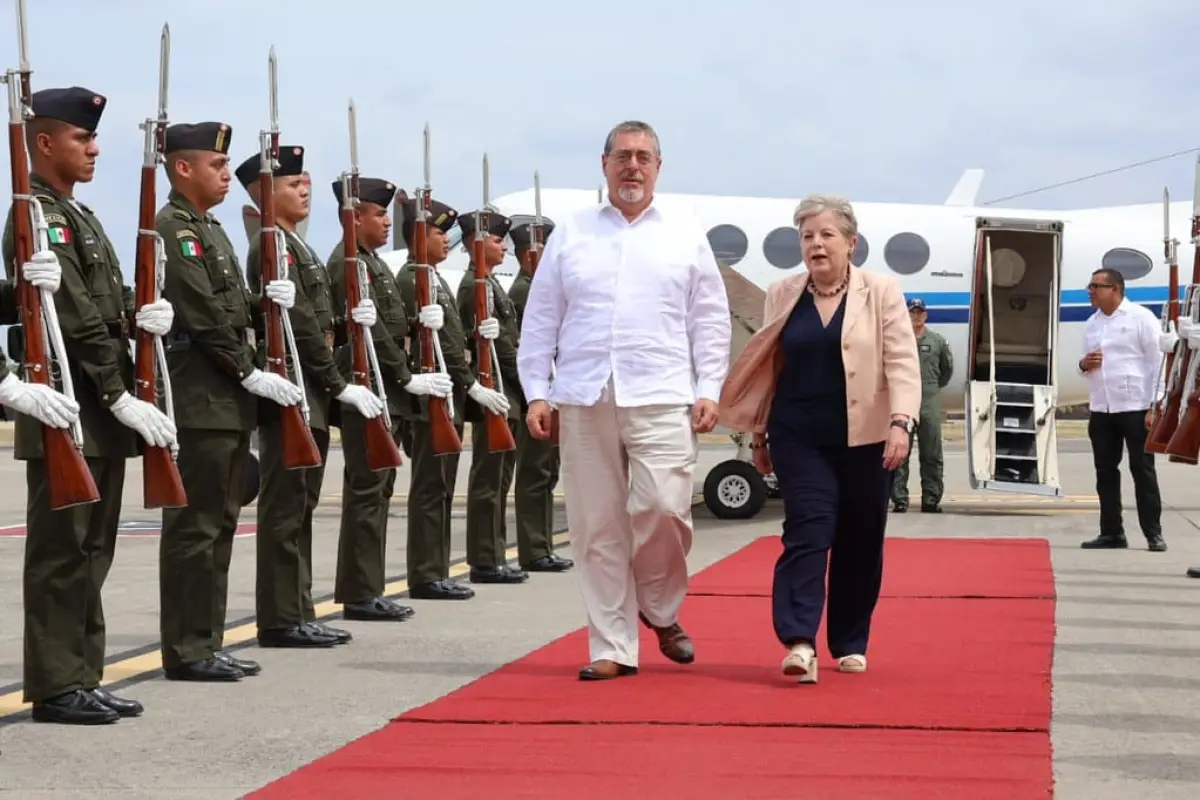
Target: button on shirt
x=1128, y=377
x=640, y=302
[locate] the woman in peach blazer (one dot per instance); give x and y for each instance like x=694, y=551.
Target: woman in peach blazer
x=828, y=387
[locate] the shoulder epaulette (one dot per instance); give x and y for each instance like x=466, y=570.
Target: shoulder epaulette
x=45, y=198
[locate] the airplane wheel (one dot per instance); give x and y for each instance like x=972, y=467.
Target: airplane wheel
x=250, y=480
x=734, y=490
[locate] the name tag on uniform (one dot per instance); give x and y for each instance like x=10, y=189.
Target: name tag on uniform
x=926, y=348
x=329, y=339
x=251, y=339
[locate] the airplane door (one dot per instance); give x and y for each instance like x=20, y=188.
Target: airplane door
x=1010, y=425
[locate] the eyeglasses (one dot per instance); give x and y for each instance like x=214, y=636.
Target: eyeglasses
x=1091, y=287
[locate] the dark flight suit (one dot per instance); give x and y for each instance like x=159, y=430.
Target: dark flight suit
x=536, y=475
x=491, y=475
x=68, y=552
x=288, y=498
x=431, y=490
x=209, y=353
x=937, y=367
x=367, y=494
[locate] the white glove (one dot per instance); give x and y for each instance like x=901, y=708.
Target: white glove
x=1168, y=339
x=153, y=425
x=488, y=398
x=432, y=316
x=489, y=328
x=437, y=384
x=272, y=387
x=363, y=399
x=364, y=312
x=1184, y=328
x=283, y=293
x=41, y=402
x=43, y=271
x=156, y=318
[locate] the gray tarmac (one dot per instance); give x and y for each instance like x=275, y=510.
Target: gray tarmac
x=1126, y=689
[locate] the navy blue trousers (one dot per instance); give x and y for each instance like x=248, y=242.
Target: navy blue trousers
x=835, y=502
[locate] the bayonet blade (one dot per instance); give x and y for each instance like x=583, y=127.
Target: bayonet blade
x=1196, y=191
x=426, y=157
x=1166, y=213
x=164, y=66
x=272, y=70
x=537, y=197
x=23, y=36
x=353, y=139
x=486, y=189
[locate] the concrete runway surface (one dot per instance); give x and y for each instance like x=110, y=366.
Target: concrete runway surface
x=1126, y=690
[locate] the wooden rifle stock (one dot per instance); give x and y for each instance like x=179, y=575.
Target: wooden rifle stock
x=162, y=485
x=1183, y=437
x=445, y=438
x=68, y=478
x=499, y=437
x=382, y=452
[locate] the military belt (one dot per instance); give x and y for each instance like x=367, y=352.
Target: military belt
x=118, y=329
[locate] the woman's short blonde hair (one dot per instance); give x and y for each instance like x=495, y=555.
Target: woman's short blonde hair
x=816, y=204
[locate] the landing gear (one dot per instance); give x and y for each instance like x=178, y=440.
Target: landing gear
x=733, y=489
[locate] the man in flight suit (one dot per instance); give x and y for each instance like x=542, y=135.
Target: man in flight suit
x=288, y=498
x=366, y=494
x=537, y=460
x=68, y=552
x=216, y=384
x=937, y=367
x=491, y=474
x=431, y=490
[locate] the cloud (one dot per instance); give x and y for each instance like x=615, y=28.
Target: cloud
x=876, y=100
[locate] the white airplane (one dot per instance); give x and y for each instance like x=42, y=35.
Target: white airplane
x=1004, y=281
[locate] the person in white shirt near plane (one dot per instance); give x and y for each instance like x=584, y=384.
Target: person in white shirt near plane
x=629, y=306
x=1123, y=344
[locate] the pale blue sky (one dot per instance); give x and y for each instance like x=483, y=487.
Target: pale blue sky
x=877, y=100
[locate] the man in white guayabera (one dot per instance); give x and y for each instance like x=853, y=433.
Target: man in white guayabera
x=627, y=333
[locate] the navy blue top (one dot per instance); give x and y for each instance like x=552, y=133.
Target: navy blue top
x=810, y=396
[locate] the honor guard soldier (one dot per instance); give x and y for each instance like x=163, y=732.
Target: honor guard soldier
x=367, y=494
x=288, y=498
x=210, y=355
x=937, y=367
x=537, y=461
x=491, y=474
x=68, y=552
x=431, y=491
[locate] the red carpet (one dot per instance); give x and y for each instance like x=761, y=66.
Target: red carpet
x=911, y=568
x=956, y=702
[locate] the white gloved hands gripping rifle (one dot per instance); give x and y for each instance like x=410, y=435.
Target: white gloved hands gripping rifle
x=38, y=401
x=43, y=271
x=155, y=318
x=272, y=387
x=364, y=313
x=282, y=293
x=153, y=425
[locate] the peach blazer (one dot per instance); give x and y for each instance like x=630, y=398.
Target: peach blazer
x=879, y=355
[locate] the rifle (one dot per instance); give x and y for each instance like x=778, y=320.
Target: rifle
x=441, y=409
x=382, y=452
x=1183, y=444
x=299, y=446
x=533, y=256
x=68, y=478
x=162, y=485
x=487, y=365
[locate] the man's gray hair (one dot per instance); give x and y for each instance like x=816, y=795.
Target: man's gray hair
x=632, y=126
x=816, y=204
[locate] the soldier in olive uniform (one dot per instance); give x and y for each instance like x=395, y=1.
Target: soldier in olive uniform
x=491, y=474
x=431, y=490
x=288, y=498
x=937, y=366
x=68, y=552
x=537, y=460
x=210, y=354
x=366, y=494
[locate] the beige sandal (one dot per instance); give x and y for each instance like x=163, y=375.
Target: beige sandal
x=801, y=662
x=852, y=664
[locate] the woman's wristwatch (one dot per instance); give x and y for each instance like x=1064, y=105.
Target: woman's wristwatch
x=905, y=424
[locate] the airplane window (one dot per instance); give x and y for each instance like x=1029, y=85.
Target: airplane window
x=1132, y=264
x=729, y=243
x=861, y=251
x=781, y=248
x=906, y=253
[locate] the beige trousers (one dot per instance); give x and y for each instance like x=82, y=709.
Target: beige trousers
x=628, y=486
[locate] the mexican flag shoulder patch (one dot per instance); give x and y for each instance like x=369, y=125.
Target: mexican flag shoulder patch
x=191, y=248
x=57, y=234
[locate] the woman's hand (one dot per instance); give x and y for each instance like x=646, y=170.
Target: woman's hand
x=896, y=449
x=762, y=458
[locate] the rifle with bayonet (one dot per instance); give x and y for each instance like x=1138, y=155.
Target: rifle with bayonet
x=533, y=256
x=298, y=445
x=68, y=478
x=487, y=365
x=382, y=452
x=1183, y=443
x=162, y=485
x=445, y=439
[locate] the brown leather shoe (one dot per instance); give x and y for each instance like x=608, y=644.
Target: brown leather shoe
x=673, y=642
x=603, y=670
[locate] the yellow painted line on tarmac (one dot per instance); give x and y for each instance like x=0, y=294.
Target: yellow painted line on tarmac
x=146, y=663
